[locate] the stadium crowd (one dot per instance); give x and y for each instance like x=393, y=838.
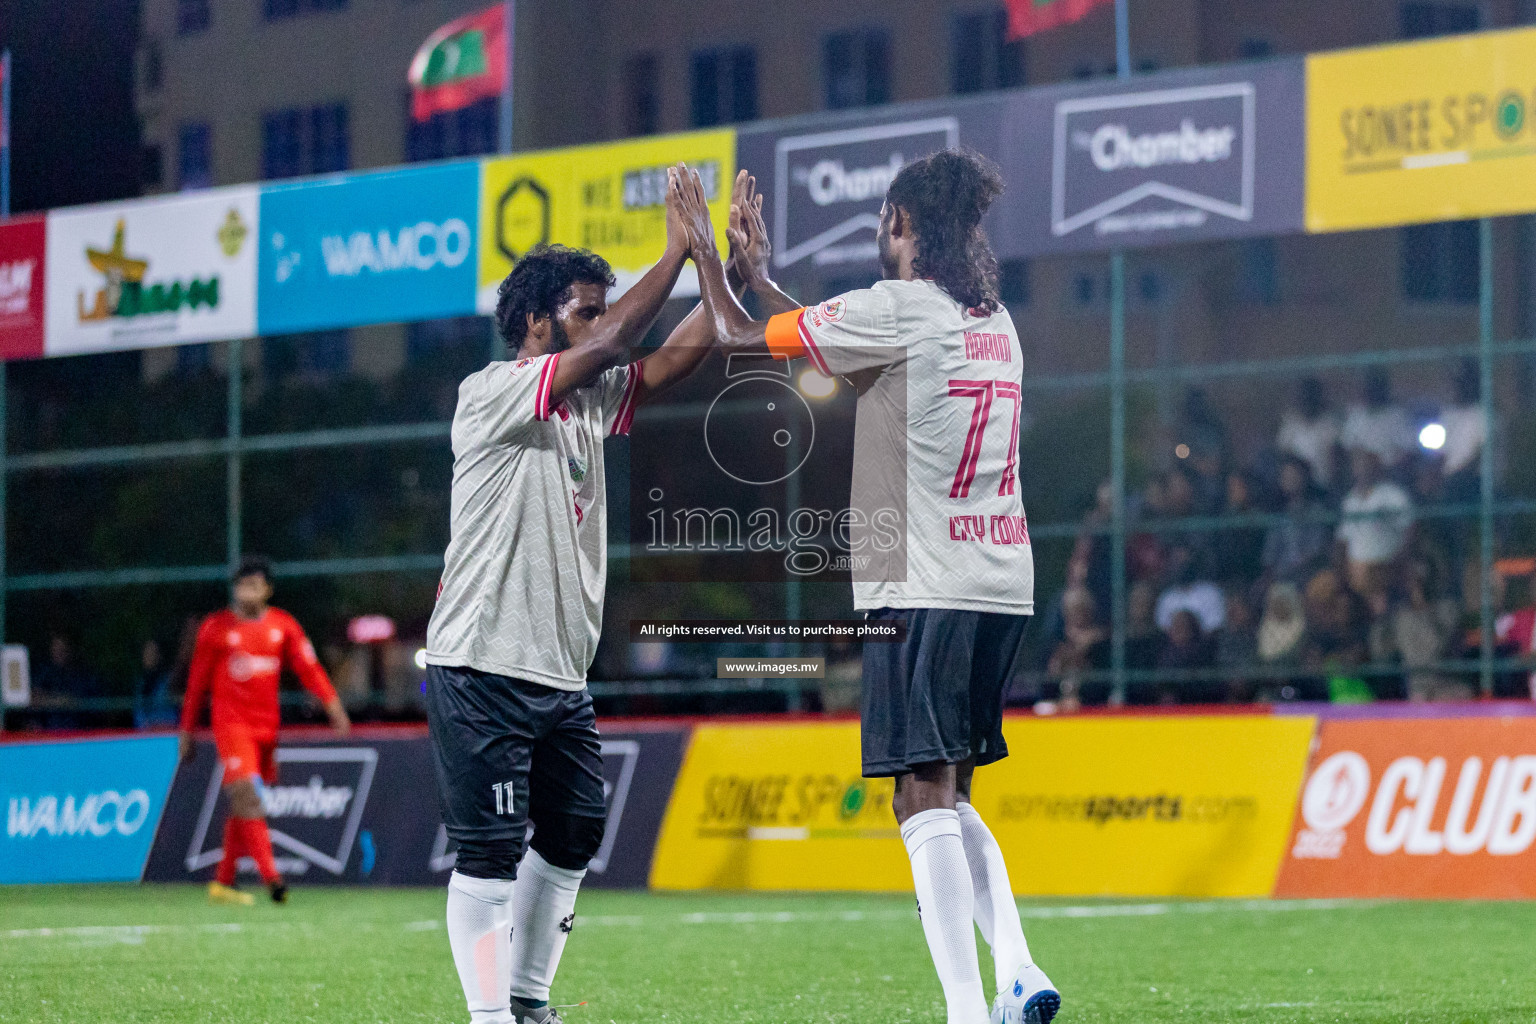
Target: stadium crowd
x=1344, y=565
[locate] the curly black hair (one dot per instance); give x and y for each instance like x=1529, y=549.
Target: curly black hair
x=946, y=195
x=539, y=283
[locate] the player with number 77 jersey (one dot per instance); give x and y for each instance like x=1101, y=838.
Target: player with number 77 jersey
x=937, y=535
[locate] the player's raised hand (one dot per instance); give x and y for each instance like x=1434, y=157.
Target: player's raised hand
x=693, y=207
x=678, y=243
x=746, y=233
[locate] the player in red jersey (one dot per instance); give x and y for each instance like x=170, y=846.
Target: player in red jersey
x=240, y=654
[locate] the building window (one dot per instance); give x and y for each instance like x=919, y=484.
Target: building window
x=856, y=67
x=194, y=156
x=191, y=17
x=314, y=352
x=153, y=66
x=724, y=86
x=304, y=141
x=1423, y=20
x=193, y=359
x=151, y=166
x=469, y=131
x=1254, y=48
x=1440, y=262
x=642, y=95
x=280, y=9
x=980, y=55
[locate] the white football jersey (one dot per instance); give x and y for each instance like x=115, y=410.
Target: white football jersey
x=526, y=567
x=936, y=447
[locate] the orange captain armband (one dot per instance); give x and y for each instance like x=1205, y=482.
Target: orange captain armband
x=783, y=335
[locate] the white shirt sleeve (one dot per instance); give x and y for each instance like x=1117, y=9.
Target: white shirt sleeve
x=854, y=331
x=504, y=399
x=615, y=393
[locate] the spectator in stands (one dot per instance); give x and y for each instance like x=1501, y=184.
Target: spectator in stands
x=153, y=705
x=1309, y=431
x=1240, y=549
x=1418, y=633
x=1337, y=633
x=1142, y=637
x=1465, y=435
x=61, y=684
x=1192, y=590
x=1206, y=437
x=1181, y=499
x=1296, y=546
x=1186, y=648
x=1237, y=643
x=1376, y=424
x=1378, y=520
x=1084, y=648
x=1283, y=627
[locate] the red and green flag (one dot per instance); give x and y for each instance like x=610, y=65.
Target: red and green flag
x=1026, y=17
x=461, y=63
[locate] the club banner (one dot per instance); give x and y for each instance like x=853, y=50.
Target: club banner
x=152, y=272
x=1176, y=806
x=823, y=178
x=610, y=198
x=23, y=268
x=1436, y=130
x=371, y=248
x=1436, y=808
x=365, y=811
x=82, y=810
x=1180, y=156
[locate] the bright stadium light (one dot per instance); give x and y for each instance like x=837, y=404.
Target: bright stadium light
x=421, y=659
x=816, y=385
x=1432, y=437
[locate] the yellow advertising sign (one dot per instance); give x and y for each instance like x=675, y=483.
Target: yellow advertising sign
x=1158, y=806
x=1438, y=130
x=609, y=198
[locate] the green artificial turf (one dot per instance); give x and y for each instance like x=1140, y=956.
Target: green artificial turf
x=162, y=954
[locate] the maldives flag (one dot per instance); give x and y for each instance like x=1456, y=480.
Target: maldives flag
x=1026, y=17
x=464, y=61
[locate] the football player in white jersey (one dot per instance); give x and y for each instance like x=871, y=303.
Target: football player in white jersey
x=519, y=609
x=935, y=361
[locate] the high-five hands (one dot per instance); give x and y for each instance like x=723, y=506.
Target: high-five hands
x=693, y=211
x=747, y=234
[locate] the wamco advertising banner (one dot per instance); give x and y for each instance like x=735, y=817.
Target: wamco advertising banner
x=373, y=248
x=153, y=272
x=364, y=811
x=823, y=178
x=1176, y=806
x=1434, y=130
x=23, y=267
x=1180, y=156
x=609, y=198
x=82, y=810
x=1432, y=808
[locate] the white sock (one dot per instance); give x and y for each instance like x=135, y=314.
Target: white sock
x=479, y=930
x=542, y=913
x=997, y=915
x=944, y=898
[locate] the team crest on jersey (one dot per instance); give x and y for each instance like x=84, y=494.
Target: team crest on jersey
x=577, y=467
x=833, y=309
x=517, y=367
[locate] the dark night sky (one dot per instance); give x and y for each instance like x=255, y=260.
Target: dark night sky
x=75, y=136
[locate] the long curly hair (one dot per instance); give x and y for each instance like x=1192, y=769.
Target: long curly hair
x=539, y=283
x=946, y=195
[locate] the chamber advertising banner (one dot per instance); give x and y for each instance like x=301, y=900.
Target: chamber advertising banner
x=152, y=272
x=23, y=268
x=824, y=177
x=1426, y=131
x=1176, y=806
x=1178, y=156
x=397, y=245
x=82, y=810
x=365, y=811
x=1431, y=808
x=609, y=198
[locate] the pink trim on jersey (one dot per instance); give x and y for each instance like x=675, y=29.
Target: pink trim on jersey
x=541, y=407
x=810, y=347
x=626, y=414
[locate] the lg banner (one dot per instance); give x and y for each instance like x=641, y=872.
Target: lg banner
x=364, y=810
x=1432, y=808
x=83, y=810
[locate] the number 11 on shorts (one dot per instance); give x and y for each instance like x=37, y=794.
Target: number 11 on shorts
x=503, y=791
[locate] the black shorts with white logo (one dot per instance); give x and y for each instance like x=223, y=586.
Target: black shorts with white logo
x=508, y=751
x=937, y=695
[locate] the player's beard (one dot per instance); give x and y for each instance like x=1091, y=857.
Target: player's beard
x=890, y=266
x=559, y=341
